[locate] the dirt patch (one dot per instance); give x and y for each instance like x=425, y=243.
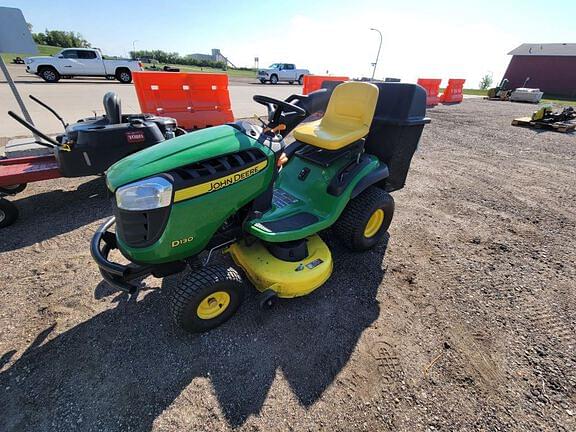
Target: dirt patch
x=464, y=320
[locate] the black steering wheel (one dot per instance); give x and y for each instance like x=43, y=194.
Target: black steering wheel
x=276, y=107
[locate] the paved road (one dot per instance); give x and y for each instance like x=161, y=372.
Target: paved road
x=78, y=98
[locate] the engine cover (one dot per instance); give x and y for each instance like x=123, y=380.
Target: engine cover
x=214, y=173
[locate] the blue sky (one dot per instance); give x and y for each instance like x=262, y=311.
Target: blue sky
x=421, y=38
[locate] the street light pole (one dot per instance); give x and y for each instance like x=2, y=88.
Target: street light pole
x=377, y=55
x=134, y=47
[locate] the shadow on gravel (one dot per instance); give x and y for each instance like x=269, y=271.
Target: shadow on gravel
x=124, y=367
x=49, y=214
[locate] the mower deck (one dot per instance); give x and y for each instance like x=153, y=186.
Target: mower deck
x=287, y=279
x=537, y=124
x=28, y=169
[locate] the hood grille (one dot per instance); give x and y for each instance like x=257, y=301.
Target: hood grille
x=198, y=172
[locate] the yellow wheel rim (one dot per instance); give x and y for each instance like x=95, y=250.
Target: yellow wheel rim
x=374, y=223
x=213, y=305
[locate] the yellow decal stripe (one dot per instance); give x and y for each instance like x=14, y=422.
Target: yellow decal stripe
x=219, y=183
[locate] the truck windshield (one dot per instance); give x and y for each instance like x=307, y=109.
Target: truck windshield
x=274, y=66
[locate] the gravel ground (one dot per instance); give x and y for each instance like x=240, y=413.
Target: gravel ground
x=464, y=320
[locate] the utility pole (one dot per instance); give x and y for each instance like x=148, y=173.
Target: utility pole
x=134, y=47
x=375, y=64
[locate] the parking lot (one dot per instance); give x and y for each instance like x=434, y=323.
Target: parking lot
x=464, y=320
x=82, y=97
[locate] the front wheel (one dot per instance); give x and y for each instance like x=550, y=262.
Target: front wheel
x=273, y=79
x=207, y=298
x=365, y=219
x=8, y=213
x=49, y=74
x=124, y=76
x=13, y=189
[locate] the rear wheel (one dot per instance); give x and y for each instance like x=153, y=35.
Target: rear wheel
x=365, y=219
x=49, y=74
x=124, y=76
x=207, y=298
x=274, y=79
x=8, y=213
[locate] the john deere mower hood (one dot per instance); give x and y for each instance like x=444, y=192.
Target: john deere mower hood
x=177, y=152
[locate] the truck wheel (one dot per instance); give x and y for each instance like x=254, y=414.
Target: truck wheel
x=207, y=298
x=49, y=74
x=365, y=219
x=262, y=81
x=8, y=213
x=274, y=79
x=301, y=79
x=124, y=76
x=13, y=189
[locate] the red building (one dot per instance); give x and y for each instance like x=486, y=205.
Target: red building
x=549, y=67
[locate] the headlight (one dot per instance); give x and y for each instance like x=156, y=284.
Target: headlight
x=152, y=193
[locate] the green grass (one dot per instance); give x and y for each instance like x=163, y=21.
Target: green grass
x=558, y=102
x=198, y=69
x=544, y=101
x=476, y=92
x=43, y=50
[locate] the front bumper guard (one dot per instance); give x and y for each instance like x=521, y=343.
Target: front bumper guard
x=117, y=275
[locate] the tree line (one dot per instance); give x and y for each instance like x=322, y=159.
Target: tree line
x=59, y=38
x=70, y=39
x=175, y=58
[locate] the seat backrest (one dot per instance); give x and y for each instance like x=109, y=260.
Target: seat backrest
x=351, y=105
x=113, y=108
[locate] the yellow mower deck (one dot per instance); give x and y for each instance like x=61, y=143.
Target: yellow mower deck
x=287, y=279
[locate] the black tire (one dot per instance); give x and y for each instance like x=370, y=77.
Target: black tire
x=301, y=79
x=274, y=79
x=180, y=131
x=49, y=74
x=8, y=213
x=13, y=189
x=262, y=81
x=198, y=287
x=124, y=76
x=352, y=226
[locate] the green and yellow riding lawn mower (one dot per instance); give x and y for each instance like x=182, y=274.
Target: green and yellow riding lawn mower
x=239, y=189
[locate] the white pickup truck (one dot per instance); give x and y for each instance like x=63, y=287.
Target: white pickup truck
x=72, y=62
x=282, y=72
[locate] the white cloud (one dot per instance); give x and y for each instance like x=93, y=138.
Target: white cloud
x=412, y=46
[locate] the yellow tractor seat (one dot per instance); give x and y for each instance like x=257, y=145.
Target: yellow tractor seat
x=347, y=118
